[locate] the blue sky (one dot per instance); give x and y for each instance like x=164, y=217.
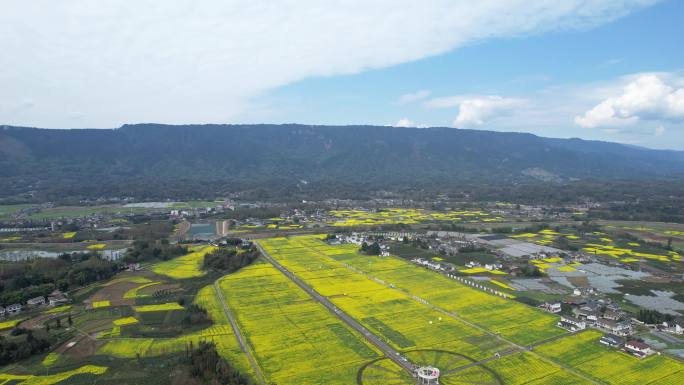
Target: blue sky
x=595, y=69
x=648, y=40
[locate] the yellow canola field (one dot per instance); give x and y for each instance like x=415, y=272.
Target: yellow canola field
x=618, y=253
x=186, y=266
x=295, y=340
x=100, y=304
x=10, y=324
x=220, y=333
x=125, y=321
x=310, y=258
x=407, y=216
x=158, y=307
x=30, y=379
x=477, y=270
x=133, y=293
x=584, y=353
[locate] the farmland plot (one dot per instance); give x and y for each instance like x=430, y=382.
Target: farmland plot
x=584, y=353
x=294, y=339
x=186, y=266
x=390, y=314
x=517, y=322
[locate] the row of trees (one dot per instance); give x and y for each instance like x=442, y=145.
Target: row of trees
x=206, y=366
x=229, y=260
x=652, y=317
x=20, y=281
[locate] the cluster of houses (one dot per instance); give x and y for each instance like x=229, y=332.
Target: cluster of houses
x=56, y=298
x=609, y=318
x=359, y=239
x=488, y=266
x=429, y=264
x=614, y=339
x=634, y=347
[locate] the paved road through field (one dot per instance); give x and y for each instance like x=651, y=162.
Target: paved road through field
x=368, y=335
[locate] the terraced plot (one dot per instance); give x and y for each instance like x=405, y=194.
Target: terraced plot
x=221, y=334
x=519, y=323
x=295, y=340
x=30, y=379
x=584, y=353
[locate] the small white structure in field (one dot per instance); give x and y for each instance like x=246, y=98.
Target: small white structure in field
x=428, y=375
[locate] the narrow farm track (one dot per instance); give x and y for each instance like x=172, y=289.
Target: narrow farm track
x=238, y=334
x=518, y=348
x=367, y=334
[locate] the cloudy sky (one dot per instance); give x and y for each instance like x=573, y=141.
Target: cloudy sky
x=596, y=69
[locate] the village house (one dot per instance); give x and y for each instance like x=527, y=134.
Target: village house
x=493, y=266
x=587, y=312
x=638, y=349
x=619, y=328
x=614, y=315
x=2, y=312
x=13, y=308
x=582, y=291
x=675, y=327
x=37, y=301
x=57, y=298
x=611, y=340
x=551, y=307
x=572, y=323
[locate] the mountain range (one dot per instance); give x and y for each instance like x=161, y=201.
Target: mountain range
x=155, y=160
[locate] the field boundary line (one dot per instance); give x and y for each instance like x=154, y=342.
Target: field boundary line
x=238, y=334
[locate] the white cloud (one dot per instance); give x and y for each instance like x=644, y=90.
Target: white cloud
x=445, y=101
x=413, y=97
x=648, y=97
x=404, y=122
x=478, y=111
x=181, y=61
x=659, y=131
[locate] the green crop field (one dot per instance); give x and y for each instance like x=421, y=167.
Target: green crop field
x=295, y=340
x=186, y=266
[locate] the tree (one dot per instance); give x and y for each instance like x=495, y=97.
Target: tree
x=372, y=249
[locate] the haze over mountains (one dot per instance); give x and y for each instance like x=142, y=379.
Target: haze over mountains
x=169, y=159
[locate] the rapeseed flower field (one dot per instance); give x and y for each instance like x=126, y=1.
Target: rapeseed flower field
x=584, y=353
x=186, y=266
x=295, y=340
